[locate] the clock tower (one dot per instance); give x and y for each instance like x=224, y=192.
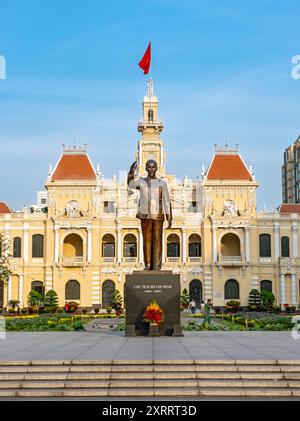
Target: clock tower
x=150, y=146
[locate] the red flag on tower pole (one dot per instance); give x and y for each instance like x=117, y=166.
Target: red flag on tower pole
x=145, y=63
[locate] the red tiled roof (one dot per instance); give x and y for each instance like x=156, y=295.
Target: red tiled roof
x=289, y=208
x=74, y=167
x=4, y=208
x=228, y=167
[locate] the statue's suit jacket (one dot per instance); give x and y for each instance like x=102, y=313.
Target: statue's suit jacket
x=154, y=200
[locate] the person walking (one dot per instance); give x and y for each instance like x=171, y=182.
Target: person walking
x=192, y=306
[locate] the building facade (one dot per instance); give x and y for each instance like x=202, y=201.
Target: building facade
x=82, y=237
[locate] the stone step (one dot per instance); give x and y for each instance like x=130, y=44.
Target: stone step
x=168, y=384
x=191, y=392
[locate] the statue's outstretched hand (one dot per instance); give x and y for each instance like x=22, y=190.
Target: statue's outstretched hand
x=133, y=167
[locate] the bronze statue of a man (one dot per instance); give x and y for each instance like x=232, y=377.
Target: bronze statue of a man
x=154, y=206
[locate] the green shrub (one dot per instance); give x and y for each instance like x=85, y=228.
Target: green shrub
x=108, y=309
x=268, y=299
x=51, y=300
x=96, y=310
x=84, y=310
x=78, y=326
x=34, y=299
x=254, y=298
x=185, y=298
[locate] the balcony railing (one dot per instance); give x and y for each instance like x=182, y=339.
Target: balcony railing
x=231, y=260
x=195, y=259
x=173, y=259
x=130, y=259
x=72, y=261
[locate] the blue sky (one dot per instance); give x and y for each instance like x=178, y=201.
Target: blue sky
x=222, y=72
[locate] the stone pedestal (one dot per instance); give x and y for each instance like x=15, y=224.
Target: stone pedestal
x=144, y=286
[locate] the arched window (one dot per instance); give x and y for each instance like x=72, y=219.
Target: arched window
x=285, y=247
x=265, y=245
x=230, y=245
x=73, y=246
x=108, y=246
x=194, y=245
x=129, y=246
x=37, y=246
x=72, y=290
x=173, y=246
x=266, y=286
x=232, y=290
x=17, y=247
x=1, y=294
x=38, y=286
x=150, y=116
x=195, y=291
x=108, y=289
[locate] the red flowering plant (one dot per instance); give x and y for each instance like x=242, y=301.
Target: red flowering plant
x=153, y=313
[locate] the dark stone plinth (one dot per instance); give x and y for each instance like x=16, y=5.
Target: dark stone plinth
x=153, y=330
x=144, y=286
x=130, y=330
x=177, y=331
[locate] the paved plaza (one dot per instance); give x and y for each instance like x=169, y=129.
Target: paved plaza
x=194, y=345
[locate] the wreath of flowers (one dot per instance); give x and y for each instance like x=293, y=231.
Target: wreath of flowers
x=153, y=313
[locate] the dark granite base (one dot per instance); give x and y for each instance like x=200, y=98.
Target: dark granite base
x=144, y=286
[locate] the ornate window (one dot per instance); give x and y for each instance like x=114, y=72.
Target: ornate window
x=108, y=289
x=266, y=286
x=150, y=116
x=108, y=246
x=17, y=247
x=194, y=245
x=195, y=291
x=265, y=245
x=130, y=246
x=72, y=290
x=173, y=246
x=232, y=290
x=37, y=246
x=285, y=247
x=38, y=286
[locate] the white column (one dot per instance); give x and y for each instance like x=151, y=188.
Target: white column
x=282, y=289
x=25, y=245
x=214, y=244
x=294, y=288
x=295, y=239
x=276, y=239
x=247, y=244
x=56, y=242
x=141, y=251
x=89, y=244
x=183, y=240
x=119, y=240
x=9, y=289
x=21, y=282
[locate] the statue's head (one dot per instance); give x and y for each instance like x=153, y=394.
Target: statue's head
x=151, y=168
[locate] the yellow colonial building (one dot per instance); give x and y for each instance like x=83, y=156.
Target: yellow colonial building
x=82, y=237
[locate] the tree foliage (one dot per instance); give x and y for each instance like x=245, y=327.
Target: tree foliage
x=5, y=271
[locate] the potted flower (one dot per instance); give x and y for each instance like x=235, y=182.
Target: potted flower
x=96, y=310
x=153, y=315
